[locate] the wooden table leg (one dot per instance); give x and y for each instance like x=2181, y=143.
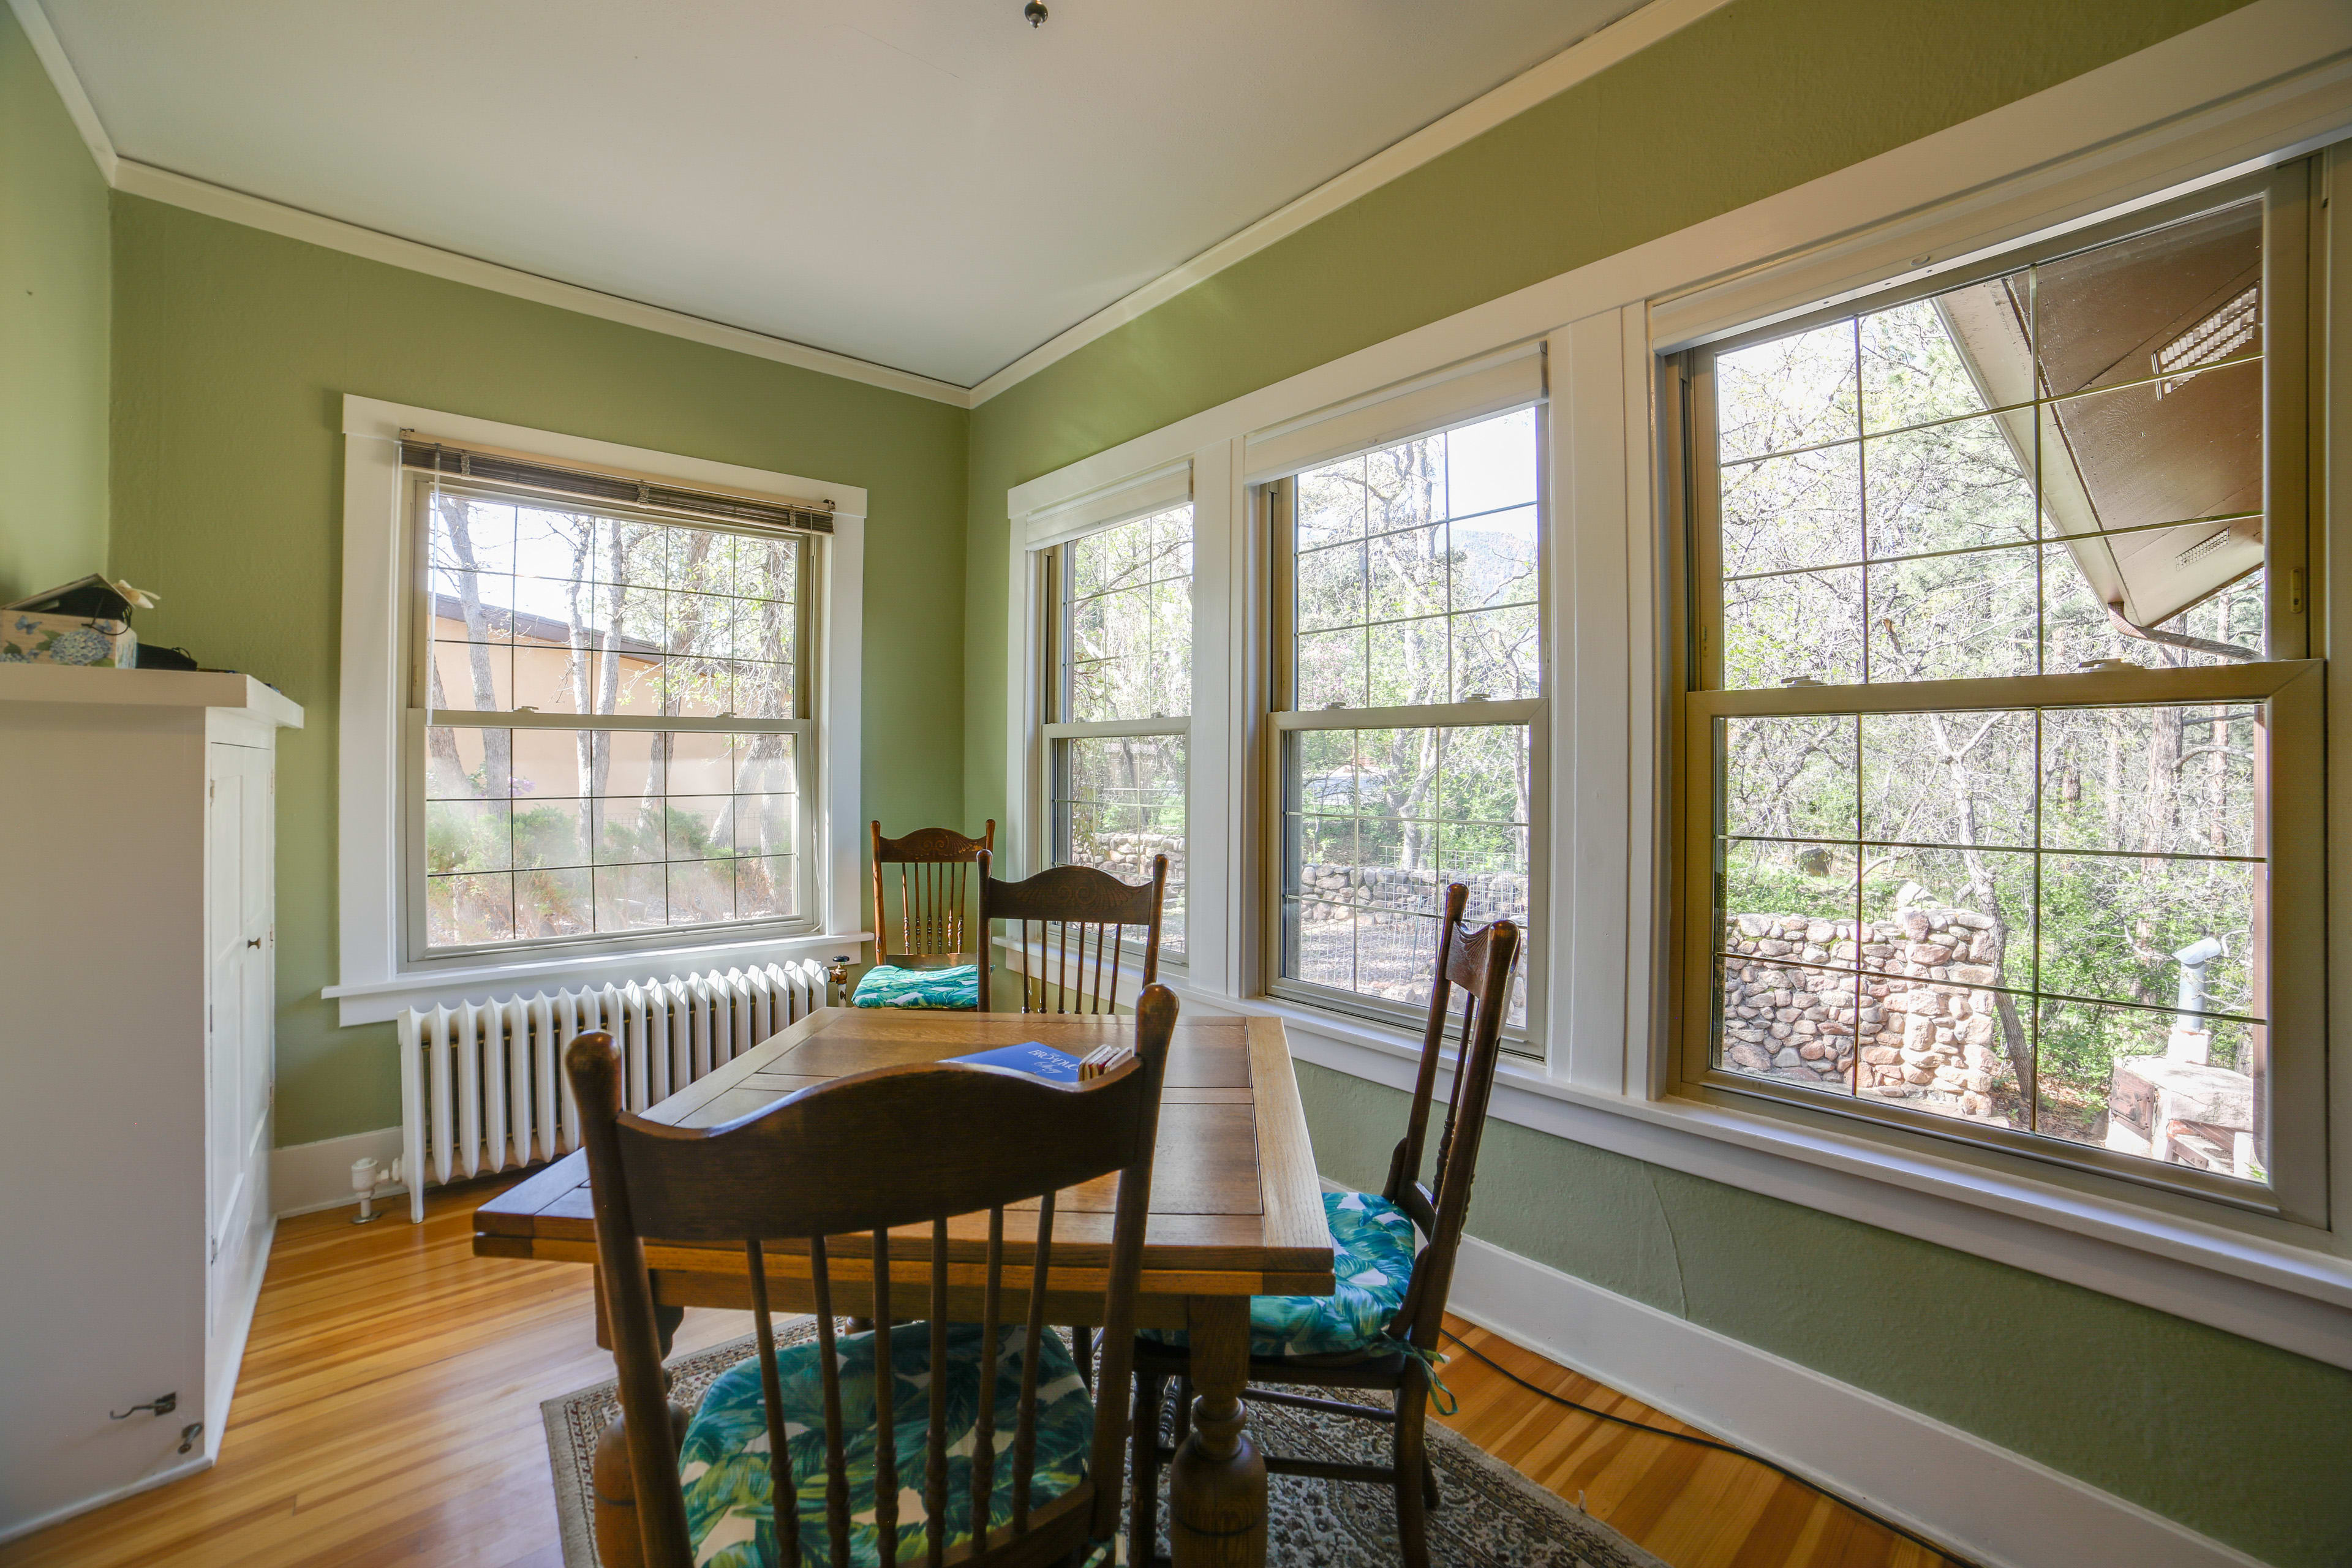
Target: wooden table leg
x=1216, y=1488
x=665, y=1321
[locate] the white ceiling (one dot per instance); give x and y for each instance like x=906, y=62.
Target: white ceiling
x=926, y=184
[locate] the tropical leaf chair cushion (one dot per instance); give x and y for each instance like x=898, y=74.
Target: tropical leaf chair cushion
x=724, y=1465
x=888, y=985
x=1371, y=1262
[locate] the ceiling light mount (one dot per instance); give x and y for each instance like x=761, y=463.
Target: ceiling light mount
x=1035, y=11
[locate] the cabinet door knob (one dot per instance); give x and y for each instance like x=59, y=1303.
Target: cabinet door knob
x=253, y=942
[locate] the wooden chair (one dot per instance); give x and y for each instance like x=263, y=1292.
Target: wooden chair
x=934, y=885
x=1059, y=903
x=1395, y=1355
x=1067, y=906
x=928, y=1159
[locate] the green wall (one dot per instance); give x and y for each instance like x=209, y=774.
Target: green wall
x=2245, y=1443
x=1747, y=102
x=53, y=330
x=2248, y=1444
x=233, y=349
x=230, y=349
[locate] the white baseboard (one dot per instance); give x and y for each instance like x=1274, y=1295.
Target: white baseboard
x=1982, y=1500
x=306, y=1177
x=25, y=1527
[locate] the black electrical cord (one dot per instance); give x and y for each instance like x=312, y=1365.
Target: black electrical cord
x=1912, y=1536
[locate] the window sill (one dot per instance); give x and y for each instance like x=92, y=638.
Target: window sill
x=2258, y=1278
x=1172, y=969
x=376, y=1002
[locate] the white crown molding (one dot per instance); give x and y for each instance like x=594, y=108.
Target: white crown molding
x=257, y=212
x=138, y=179
x=52, y=55
x=2269, y=80
x=1582, y=61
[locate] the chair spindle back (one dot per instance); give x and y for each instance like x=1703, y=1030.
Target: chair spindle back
x=1080, y=916
x=934, y=873
x=906, y=1161
x=1479, y=963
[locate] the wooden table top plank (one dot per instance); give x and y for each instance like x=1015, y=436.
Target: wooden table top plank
x=1290, y=1189
x=782, y=1083
x=511, y=1212
x=754, y=1093
x=1208, y=1054
x=1233, y=1184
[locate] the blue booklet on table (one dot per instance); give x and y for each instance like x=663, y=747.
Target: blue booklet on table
x=1031, y=1057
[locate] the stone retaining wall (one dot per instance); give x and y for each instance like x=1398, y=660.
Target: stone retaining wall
x=1128, y=856
x=1911, y=1005
x=1382, y=887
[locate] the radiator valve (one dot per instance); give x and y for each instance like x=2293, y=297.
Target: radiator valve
x=366, y=1174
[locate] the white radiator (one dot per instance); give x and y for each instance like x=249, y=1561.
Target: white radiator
x=482, y=1087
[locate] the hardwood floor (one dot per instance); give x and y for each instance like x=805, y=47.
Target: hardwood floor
x=388, y=1415
x=1694, y=1507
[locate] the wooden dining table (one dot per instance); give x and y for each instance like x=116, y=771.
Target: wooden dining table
x=1236, y=1212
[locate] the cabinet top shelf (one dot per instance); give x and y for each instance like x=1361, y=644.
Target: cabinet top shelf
x=146, y=688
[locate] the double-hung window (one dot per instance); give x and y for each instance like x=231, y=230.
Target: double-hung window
x=611, y=733
x=2001, y=752
x=1407, y=678
x=1119, y=703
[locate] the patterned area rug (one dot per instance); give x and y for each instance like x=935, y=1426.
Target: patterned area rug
x=1492, y=1516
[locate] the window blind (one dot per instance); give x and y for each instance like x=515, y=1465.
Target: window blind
x=1455, y=395
x=1139, y=496
x=618, y=490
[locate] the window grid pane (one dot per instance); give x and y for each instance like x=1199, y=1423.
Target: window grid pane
x=1126, y=619
x=1992, y=916
x=533, y=834
x=1413, y=584
x=541, y=834
x=1889, y=485
x=1414, y=577
x=2050, y=920
x=1118, y=802
x=1376, y=825
x=573, y=613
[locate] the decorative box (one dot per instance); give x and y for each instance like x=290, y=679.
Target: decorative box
x=28, y=638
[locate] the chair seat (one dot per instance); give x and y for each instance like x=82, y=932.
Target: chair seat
x=724, y=1464
x=888, y=985
x=1371, y=1264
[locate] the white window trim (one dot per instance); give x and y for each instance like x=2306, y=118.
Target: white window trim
x=1037, y=531
x=2264, y=84
x=375, y=980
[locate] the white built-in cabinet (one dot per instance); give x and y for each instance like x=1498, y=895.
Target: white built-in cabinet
x=138, y=952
